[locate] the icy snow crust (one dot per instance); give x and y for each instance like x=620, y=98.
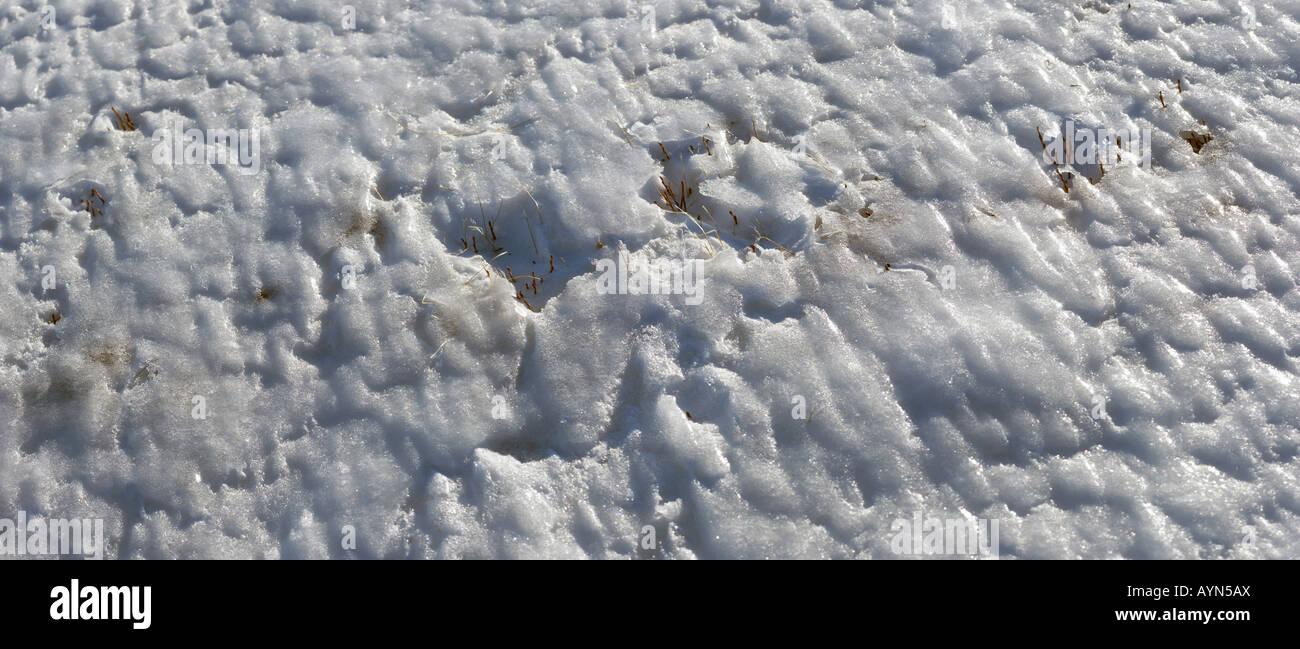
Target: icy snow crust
x=438, y=416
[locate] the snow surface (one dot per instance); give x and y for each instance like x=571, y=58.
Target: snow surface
x=439, y=416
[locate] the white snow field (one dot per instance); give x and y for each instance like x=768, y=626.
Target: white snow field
x=900, y=312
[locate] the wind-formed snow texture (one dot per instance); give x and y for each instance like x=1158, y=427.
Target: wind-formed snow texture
x=900, y=308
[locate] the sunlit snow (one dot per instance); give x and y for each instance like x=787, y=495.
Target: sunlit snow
x=433, y=291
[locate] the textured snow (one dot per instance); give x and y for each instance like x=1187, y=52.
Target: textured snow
x=357, y=368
